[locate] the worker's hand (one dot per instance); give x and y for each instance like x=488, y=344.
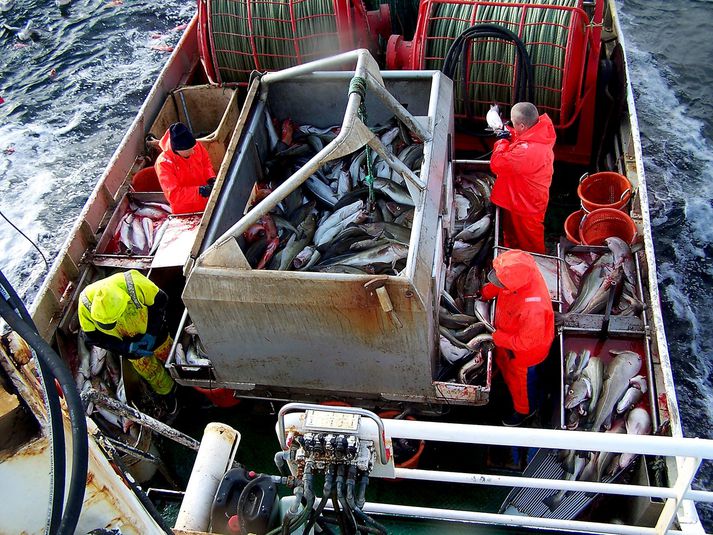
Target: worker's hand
x=211, y=181
x=136, y=349
x=204, y=191
x=503, y=134
x=147, y=342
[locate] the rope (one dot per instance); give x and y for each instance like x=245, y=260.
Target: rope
x=47, y=265
x=358, y=86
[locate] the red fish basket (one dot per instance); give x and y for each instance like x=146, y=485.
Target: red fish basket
x=411, y=462
x=604, y=190
x=604, y=223
x=571, y=226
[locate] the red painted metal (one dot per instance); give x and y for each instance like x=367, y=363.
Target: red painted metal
x=204, y=42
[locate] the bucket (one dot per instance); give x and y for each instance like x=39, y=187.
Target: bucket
x=604, y=190
x=571, y=226
x=604, y=223
x=411, y=462
x=146, y=180
x=220, y=397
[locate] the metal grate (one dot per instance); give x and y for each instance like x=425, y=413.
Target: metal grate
x=553, y=31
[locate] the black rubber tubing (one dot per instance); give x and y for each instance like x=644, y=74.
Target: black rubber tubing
x=80, y=441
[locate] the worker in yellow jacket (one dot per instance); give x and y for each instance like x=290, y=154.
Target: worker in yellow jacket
x=124, y=313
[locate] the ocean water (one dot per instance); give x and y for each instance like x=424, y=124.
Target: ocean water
x=70, y=96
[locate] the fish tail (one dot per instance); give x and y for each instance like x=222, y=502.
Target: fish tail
x=553, y=502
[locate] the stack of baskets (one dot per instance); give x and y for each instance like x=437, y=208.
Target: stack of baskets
x=605, y=199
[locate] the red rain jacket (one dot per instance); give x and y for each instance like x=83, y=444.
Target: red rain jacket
x=524, y=320
x=523, y=166
x=180, y=177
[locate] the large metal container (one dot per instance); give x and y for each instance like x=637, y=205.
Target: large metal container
x=320, y=333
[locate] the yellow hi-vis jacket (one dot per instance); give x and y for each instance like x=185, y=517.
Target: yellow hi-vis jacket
x=134, y=320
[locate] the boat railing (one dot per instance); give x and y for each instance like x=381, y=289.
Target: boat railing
x=688, y=453
x=677, y=498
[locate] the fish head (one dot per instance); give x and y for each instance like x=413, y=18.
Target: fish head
x=577, y=393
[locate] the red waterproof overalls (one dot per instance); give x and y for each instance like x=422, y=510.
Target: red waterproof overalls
x=524, y=324
x=523, y=166
x=180, y=177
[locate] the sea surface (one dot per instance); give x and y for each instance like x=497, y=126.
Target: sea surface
x=70, y=96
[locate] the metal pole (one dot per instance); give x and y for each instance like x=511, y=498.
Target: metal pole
x=549, y=438
x=686, y=472
x=139, y=417
x=543, y=483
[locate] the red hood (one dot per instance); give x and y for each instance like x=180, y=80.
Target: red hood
x=542, y=132
x=515, y=269
x=165, y=142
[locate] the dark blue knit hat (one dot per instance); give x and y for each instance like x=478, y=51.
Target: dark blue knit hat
x=181, y=137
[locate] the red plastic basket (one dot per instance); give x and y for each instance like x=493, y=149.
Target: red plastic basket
x=604, y=190
x=146, y=180
x=411, y=462
x=604, y=223
x=571, y=226
x=220, y=397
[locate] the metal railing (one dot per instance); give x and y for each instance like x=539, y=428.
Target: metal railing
x=689, y=453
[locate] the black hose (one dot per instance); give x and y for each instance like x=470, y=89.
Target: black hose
x=343, y=501
x=58, y=464
x=458, y=57
x=80, y=443
x=326, y=492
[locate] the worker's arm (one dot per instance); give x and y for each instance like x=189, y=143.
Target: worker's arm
x=157, y=313
x=108, y=342
x=489, y=292
x=514, y=159
x=530, y=334
x=183, y=199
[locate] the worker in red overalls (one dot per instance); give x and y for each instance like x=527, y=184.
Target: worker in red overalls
x=524, y=328
x=184, y=170
x=522, y=161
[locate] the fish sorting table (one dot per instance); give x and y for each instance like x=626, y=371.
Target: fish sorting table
x=338, y=334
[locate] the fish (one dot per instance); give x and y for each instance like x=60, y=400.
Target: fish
x=454, y=321
x=638, y=422
x=97, y=359
x=554, y=501
x=631, y=397
x=567, y=286
x=393, y=191
x=468, y=333
x=573, y=418
x=618, y=427
x=448, y=333
x=471, y=369
x=640, y=382
x=450, y=352
x=26, y=33
x=593, y=295
x=477, y=341
x=589, y=472
x=622, y=257
x=493, y=118
x=474, y=231
x=624, y=366
x=390, y=231
x=482, y=312
x=328, y=229
x=305, y=232
x=321, y=191
x=194, y=359
x=580, y=390
x=464, y=252
x=157, y=237
x=575, y=364
x=388, y=254
x=594, y=371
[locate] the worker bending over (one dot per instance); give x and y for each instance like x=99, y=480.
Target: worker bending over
x=524, y=328
x=522, y=161
x=184, y=170
x=124, y=313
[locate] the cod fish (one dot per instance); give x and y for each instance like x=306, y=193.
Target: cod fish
x=605, y=457
x=594, y=372
x=580, y=390
x=637, y=423
x=474, y=231
x=575, y=364
x=622, y=257
x=631, y=397
x=593, y=295
x=624, y=366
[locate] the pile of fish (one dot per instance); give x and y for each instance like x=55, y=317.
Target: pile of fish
x=191, y=352
x=140, y=229
x=100, y=369
x=464, y=328
x=589, y=278
x=599, y=397
x=329, y=223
